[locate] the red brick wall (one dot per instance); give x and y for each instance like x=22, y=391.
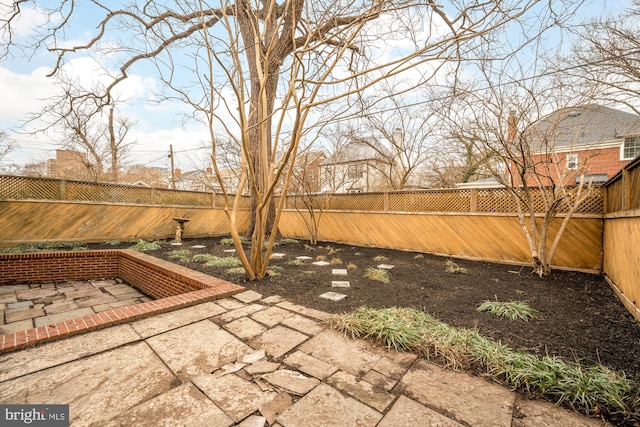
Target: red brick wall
x=57, y=266
x=598, y=161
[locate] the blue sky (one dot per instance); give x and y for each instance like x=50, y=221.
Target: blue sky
x=25, y=87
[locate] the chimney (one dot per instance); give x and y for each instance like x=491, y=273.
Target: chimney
x=512, y=126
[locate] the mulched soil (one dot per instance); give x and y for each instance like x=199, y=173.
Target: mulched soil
x=579, y=317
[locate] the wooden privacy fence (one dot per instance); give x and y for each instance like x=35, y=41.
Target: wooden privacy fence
x=621, y=243
x=27, y=188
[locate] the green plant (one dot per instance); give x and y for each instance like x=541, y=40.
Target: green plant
x=336, y=261
x=45, y=247
x=182, y=255
x=419, y=256
x=223, y=262
x=203, y=258
x=145, y=246
x=285, y=241
x=594, y=389
x=274, y=270
x=228, y=241
x=321, y=258
x=309, y=248
x=236, y=270
x=453, y=268
x=377, y=275
x=113, y=242
x=351, y=266
x=380, y=258
x=295, y=262
x=512, y=310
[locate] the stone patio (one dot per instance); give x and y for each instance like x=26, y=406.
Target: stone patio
x=30, y=306
x=253, y=361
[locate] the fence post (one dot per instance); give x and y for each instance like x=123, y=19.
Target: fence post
x=626, y=189
x=63, y=190
x=473, y=200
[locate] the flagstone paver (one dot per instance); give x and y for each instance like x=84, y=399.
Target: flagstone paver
x=361, y=390
x=340, y=284
x=333, y=296
x=248, y=296
x=339, y=271
x=278, y=341
x=310, y=365
x=321, y=263
x=303, y=324
x=224, y=392
x=197, y=349
x=304, y=257
x=325, y=406
x=385, y=266
x=292, y=381
x=245, y=328
x=407, y=412
x=65, y=315
x=173, y=408
x=175, y=319
x=536, y=413
x=271, y=316
x=468, y=399
x=95, y=388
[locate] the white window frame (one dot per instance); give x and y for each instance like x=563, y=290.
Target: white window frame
x=572, y=161
x=636, y=140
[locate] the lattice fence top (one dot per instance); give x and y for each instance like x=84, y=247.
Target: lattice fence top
x=499, y=200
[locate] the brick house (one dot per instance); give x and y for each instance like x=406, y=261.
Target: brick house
x=591, y=140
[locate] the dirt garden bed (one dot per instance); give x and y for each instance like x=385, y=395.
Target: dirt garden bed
x=578, y=315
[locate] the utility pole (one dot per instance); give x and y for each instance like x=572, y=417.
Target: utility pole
x=173, y=175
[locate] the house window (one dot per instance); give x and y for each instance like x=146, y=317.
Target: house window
x=572, y=162
x=631, y=148
x=355, y=171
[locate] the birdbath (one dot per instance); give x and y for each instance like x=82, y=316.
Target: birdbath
x=180, y=228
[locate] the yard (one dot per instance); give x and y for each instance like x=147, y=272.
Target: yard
x=577, y=315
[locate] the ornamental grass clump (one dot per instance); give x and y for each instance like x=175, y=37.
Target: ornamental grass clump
x=512, y=310
x=453, y=268
x=377, y=275
x=182, y=255
x=202, y=258
x=145, y=246
x=228, y=262
x=590, y=389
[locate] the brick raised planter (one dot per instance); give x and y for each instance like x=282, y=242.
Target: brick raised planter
x=171, y=285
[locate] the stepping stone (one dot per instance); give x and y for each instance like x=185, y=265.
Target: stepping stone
x=277, y=255
x=176, y=244
x=304, y=257
x=340, y=284
x=321, y=263
x=198, y=246
x=333, y=296
x=229, y=251
x=339, y=272
x=385, y=266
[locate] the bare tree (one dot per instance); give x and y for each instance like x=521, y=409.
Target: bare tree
x=6, y=145
x=606, y=56
x=269, y=64
x=516, y=123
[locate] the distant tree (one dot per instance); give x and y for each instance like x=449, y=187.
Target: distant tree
x=6, y=145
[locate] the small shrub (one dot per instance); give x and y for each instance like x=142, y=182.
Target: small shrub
x=309, y=248
x=46, y=247
x=321, y=258
x=453, y=268
x=336, y=261
x=380, y=258
x=295, y=262
x=351, y=266
x=274, y=270
x=377, y=275
x=236, y=270
x=182, y=255
x=419, y=256
x=512, y=310
x=228, y=241
x=223, y=262
x=113, y=242
x=285, y=241
x=203, y=258
x=145, y=246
